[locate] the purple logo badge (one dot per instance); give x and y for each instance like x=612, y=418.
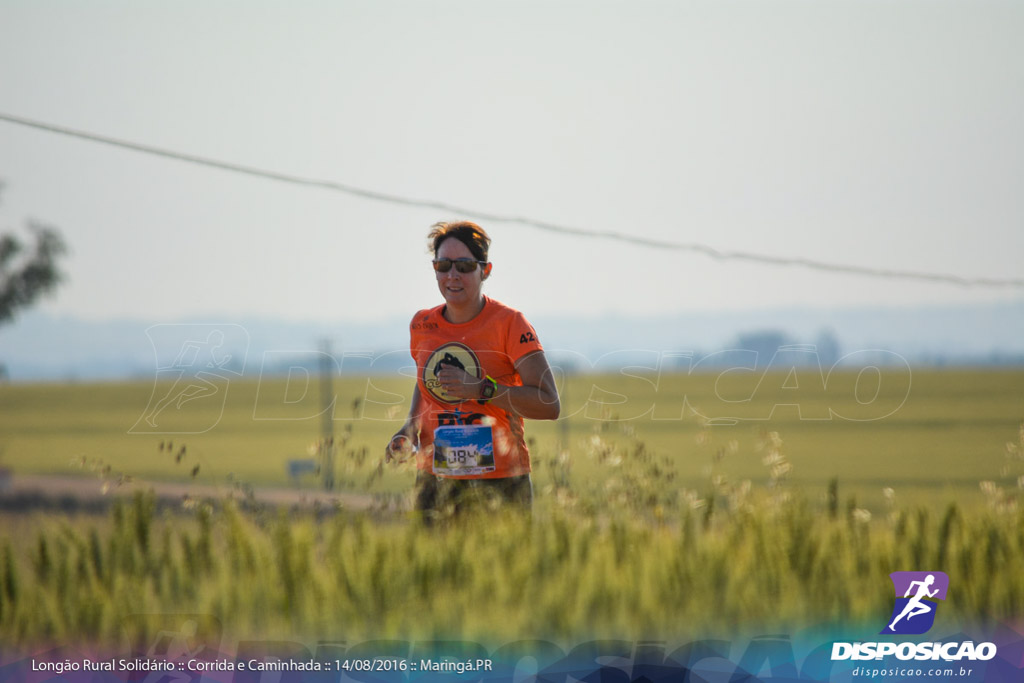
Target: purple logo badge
x=917, y=594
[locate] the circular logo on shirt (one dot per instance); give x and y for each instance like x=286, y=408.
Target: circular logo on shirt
x=454, y=354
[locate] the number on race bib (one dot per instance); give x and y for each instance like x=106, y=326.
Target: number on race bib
x=462, y=450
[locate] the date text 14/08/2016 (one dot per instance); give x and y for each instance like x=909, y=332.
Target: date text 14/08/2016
x=444, y=665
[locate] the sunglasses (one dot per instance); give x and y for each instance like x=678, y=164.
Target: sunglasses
x=463, y=265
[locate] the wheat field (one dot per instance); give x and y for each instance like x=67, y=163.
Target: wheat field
x=643, y=526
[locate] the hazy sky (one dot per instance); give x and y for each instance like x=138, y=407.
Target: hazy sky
x=883, y=134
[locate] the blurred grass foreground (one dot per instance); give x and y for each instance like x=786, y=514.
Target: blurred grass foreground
x=697, y=529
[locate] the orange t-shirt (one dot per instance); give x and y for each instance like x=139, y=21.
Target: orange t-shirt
x=488, y=345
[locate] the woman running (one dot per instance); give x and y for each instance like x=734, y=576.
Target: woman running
x=480, y=370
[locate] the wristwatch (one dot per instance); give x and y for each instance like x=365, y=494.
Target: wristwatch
x=490, y=385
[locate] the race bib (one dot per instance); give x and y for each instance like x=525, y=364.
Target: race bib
x=461, y=450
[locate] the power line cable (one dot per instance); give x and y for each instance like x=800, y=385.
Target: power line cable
x=718, y=254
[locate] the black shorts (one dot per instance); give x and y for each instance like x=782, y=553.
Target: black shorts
x=442, y=495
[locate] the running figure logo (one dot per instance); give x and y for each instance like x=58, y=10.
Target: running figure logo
x=194, y=366
x=916, y=593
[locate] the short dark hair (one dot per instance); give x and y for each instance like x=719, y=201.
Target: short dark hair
x=470, y=234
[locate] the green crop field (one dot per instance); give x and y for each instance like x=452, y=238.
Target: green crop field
x=931, y=436
x=685, y=503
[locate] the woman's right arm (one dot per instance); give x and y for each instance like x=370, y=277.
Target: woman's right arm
x=410, y=430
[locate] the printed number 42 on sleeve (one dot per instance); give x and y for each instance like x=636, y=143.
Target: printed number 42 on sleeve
x=526, y=337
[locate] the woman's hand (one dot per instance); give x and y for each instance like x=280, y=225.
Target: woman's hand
x=536, y=399
x=402, y=445
x=458, y=383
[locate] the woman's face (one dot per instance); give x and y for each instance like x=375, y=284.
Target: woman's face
x=458, y=289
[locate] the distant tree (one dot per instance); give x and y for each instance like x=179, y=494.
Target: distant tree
x=24, y=277
x=766, y=343
x=828, y=347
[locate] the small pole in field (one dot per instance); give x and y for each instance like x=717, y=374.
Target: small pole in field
x=326, y=415
x=563, y=426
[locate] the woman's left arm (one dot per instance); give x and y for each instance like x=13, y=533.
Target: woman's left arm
x=537, y=399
